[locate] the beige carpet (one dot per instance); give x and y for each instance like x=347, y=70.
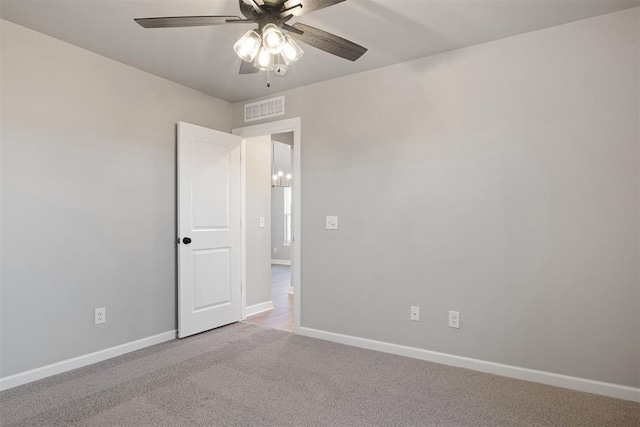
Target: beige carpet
x=246, y=375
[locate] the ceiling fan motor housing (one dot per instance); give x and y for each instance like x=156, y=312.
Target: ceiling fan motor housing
x=269, y=13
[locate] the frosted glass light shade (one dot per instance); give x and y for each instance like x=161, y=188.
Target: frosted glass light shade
x=248, y=45
x=272, y=39
x=291, y=52
x=264, y=60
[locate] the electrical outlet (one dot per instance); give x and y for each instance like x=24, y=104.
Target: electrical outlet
x=275, y=250
x=454, y=319
x=261, y=222
x=415, y=313
x=101, y=315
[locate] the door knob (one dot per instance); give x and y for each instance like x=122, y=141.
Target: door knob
x=186, y=240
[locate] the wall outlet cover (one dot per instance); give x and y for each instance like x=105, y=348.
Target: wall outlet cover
x=454, y=319
x=100, y=315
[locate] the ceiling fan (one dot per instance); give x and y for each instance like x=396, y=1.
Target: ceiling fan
x=262, y=51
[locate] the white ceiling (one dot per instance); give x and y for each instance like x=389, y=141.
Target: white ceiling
x=202, y=57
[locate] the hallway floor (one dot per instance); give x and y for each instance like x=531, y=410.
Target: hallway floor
x=281, y=317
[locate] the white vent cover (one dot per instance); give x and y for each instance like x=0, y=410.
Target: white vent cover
x=264, y=109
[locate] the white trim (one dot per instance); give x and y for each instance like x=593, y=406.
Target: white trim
x=80, y=361
x=243, y=232
x=288, y=125
x=281, y=261
x=550, y=378
x=259, y=308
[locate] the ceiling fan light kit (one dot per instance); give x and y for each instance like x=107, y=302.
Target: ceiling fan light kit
x=264, y=60
x=263, y=48
x=291, y=52
x=264, y=51
x=273, y=39
x=248, y=46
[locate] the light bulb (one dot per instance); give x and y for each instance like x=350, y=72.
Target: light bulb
x=264, y=60
x=280, y=173
x=272, y=39
x=248, y=45
x=288, y=176
x=291, y=52
x=275, y=177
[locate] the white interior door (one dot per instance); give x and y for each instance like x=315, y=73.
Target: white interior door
x=209, y=229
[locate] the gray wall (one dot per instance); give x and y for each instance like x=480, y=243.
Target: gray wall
x=88, y=198
x=258, y=200
x=499, y=180
x=282, y=162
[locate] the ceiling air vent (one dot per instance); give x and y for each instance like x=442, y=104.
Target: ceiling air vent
x=264, y=109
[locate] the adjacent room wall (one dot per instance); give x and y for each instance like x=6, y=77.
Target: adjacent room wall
x=282, y=154
x=499, y=180
x=258, y=204
x=88, y=198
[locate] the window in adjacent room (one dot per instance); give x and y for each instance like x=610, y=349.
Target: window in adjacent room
x=287, y=215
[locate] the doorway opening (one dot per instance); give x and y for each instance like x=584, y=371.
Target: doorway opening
x=269, y=230
x=280, y=306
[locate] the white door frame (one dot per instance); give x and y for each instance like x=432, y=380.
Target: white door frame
x=280, y=126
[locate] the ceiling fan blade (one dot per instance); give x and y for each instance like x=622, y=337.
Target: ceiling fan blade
x=247, y=67
x=185, y=21
x=328, y=42
x=291, y=29
x=308, y=5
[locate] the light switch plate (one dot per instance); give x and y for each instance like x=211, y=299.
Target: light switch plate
x=261, y=222
x=415, y=313
x=332, y=222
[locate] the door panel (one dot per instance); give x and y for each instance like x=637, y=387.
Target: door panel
x=211, y=183
x=209, y=267
x=212, y=278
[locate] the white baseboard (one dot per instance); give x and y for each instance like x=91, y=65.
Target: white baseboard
x=281, y=262
x=559, y=380
x=259, y=308
x=291, y=290
x=80, y=361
